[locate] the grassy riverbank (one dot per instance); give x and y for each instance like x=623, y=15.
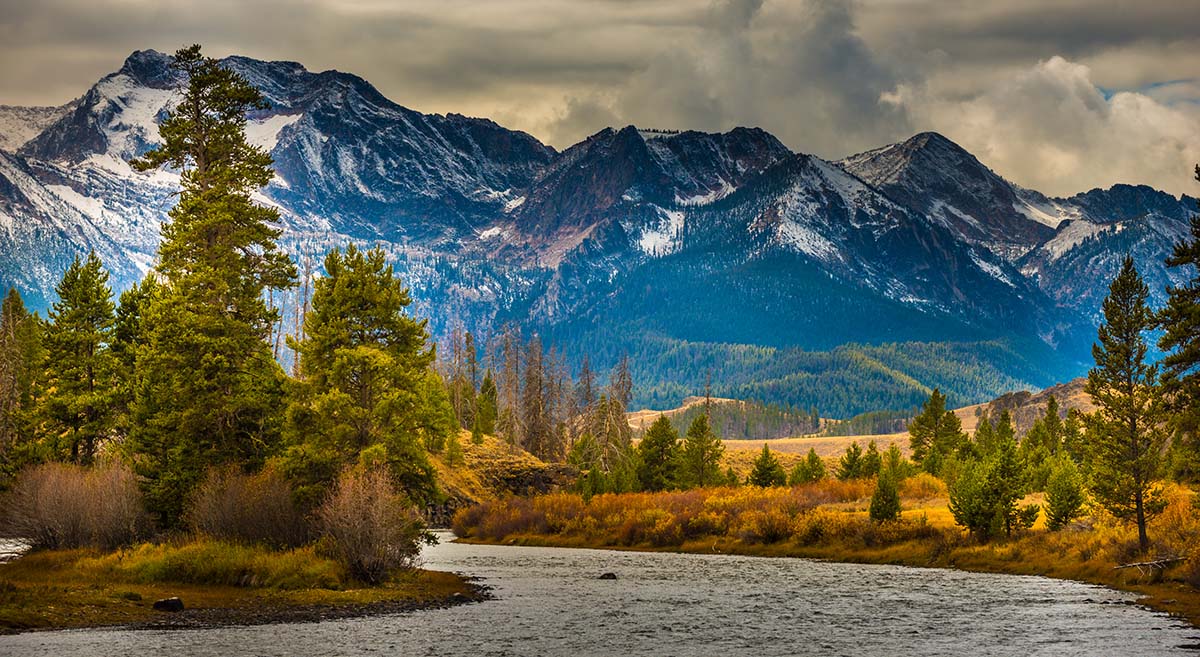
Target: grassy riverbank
x=829, y=521
x=220, y=584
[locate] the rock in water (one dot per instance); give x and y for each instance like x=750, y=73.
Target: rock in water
x=608, y=576
x=169, y=604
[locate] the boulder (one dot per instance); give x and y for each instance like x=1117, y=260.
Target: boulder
x=608, y=576
x=169, y=604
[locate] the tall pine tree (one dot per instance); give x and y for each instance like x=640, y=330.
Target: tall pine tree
x=80, y=369
x=935, y=433
x=658, y=456
x=1125, y=440
x=1180, y=321
x=702, y=451
x=367, y=389
x=209, y=388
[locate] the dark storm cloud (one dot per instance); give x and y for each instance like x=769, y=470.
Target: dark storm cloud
x=1016, y=82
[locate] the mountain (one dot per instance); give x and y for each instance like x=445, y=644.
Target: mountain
x=848, y=285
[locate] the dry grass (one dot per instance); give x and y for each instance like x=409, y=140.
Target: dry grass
x=87, y=588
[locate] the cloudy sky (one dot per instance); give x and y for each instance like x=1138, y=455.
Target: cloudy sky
x=1058, y=95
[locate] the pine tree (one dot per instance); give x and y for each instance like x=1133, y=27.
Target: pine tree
x=808, y=470
x=658, y=456
x=850, y=466
x=767, y=471
x=935, y=433
x=80, y=369
x=702, y=452
x=1064, y=493
x=1180, y=321
x=128, y=336
x=367, y=385
x=209, y=389
x=885, y=501
x=1125, y=439
x=872, y=462
x=21, y=357
x=485, y=412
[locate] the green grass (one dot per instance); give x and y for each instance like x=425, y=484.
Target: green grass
x=89, y=588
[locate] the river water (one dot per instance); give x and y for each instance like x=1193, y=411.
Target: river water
x=551, y=602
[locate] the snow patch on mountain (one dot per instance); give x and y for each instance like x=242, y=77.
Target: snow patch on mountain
x=662, y=238
x=264, y=133
x=20, y=124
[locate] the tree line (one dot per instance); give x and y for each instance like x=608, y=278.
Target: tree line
x=1143, y=431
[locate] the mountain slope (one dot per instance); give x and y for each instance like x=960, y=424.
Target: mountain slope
x=656, y=243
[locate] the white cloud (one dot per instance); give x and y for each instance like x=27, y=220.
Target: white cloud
x=1051, y=128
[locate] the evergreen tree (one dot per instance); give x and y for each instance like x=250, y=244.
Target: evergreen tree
x=702, y=451
x=1180, y=321
x=850, y=466
x=811, y=469
x=79, y=368
x=885, y=501
x=658, y=456
x=209, y=388
x=128, y=335
x=935, y=433
x=767, y=471
x=1125, y=438
x=984, y=494
x=485, y=412
x=1064, y=493
x=872, y=462
x=366, y=382
x=21, y=356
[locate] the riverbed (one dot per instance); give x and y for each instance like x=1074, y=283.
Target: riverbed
x=550, y=601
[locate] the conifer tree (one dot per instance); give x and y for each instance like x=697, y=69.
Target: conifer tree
x=485, y=412
x=128, y=335
x=21, y=357
x=1180, y=321
x=367, y=384
x=658, y=456
x=850, y=466
x=811, y=469
x=885, y=501
x=1125, y=440
x=702, y=451
x=935, y=433
x=80, y=369
x=872, y=462
x=767, y=471
x=209, y=388
x=1064, y=493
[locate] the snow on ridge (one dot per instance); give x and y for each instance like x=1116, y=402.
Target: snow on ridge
x=991, y=269
x=662, y=238
x=135, y=111
x=704, y=199
x=264, y=133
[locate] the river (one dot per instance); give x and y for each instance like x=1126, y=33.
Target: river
x=551, y=602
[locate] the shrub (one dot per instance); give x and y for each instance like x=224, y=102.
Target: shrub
x=885, y=503
x=368, y=527
x=230, y=505
x=56, y=505
x=922, y=486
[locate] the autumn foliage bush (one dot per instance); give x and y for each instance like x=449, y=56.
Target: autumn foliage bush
x=57, y=505
x=367, y=526
x=230, y=505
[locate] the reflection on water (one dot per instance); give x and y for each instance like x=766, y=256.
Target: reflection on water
x=550, y=602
